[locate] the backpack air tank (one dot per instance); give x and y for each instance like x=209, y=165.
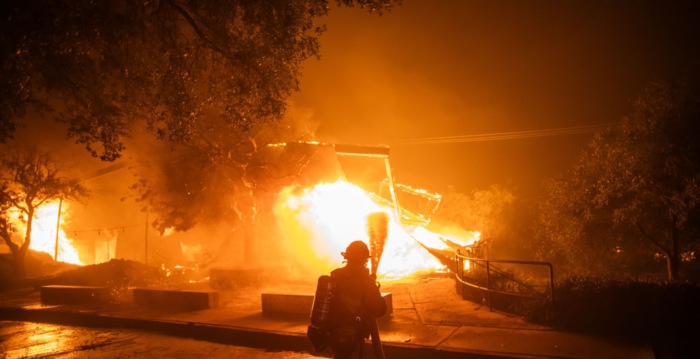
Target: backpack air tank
x=318, y=329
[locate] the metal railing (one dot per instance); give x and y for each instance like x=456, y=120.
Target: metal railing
x=459, y=275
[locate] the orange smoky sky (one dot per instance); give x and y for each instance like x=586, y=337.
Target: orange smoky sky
x=444, y=68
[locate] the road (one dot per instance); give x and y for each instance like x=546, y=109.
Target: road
x=37, y=340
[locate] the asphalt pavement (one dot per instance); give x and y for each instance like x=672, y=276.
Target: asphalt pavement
x=429, y=321
x=39, y=340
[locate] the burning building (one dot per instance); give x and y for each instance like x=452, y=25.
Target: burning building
x=319, y=220
x=313, y=199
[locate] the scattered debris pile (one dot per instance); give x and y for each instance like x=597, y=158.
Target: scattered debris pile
x=117, y=273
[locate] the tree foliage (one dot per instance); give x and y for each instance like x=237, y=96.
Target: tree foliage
x=209, y=178
x=634, y=192
x=102, y=66
x=227, y=178
x=484, y=211
x=30, y=179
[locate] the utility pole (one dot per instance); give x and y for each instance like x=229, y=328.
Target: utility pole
x=146, y=239
x=95, y=174
x=58, y=223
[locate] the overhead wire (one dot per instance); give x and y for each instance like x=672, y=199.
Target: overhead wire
x=506, y=135
x=100, y=230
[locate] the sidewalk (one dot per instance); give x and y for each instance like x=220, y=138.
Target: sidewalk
x=429, y=320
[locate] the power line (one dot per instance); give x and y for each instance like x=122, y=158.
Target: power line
x=101, y=172
x=507, y=135
x=604, y=125
x=100, y=230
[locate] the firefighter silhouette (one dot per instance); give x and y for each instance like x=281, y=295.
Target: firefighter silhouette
x=344, y=305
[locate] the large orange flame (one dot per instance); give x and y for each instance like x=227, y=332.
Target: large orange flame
x=320, y=222
x=44, y=233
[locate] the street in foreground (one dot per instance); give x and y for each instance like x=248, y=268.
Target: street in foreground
x=38, y=340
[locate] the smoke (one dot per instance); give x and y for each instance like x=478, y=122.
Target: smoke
x=212, y=194
x=208, y=200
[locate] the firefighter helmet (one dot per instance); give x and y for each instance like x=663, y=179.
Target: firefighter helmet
x=357, y=250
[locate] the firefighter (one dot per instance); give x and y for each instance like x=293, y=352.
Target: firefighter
x=356, y=301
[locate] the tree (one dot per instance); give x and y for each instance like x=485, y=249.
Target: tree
x=103, y=66
x=634, y=189
x=227, y=179
x=30, y=179
x=205, y=76
x=484, y=211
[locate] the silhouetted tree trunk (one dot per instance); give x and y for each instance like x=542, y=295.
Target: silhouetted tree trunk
x=19, y=253
x=18, y=256
x=672, y=255
x=19, y=260
x=673, y=258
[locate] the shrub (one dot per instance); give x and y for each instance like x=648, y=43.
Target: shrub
x=632, y=307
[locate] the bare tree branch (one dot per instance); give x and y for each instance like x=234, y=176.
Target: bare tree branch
x=652, y=240
x=196, y=28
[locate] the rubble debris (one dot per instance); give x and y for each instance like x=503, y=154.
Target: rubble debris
x=117, y=273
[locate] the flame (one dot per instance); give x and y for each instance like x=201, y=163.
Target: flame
x=320, y=222
x=190, y=251
x=44, y=233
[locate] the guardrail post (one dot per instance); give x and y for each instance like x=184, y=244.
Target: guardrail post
x=460, y=271
x=488, y=286
x=551, y=283
x=457, y=267
x=464, y=288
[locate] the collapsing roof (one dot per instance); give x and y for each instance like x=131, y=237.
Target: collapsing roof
x=412, y=206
